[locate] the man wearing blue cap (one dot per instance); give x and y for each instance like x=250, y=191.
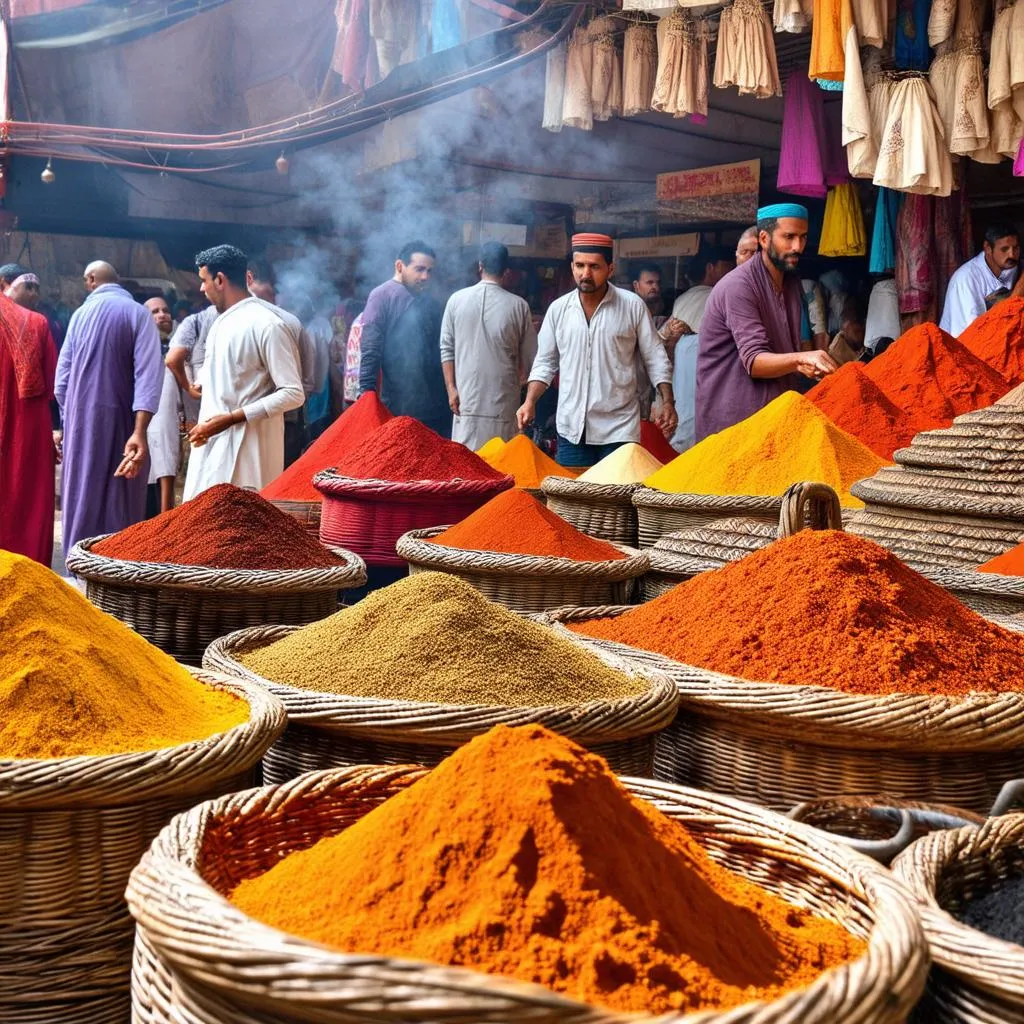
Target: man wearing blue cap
x=749, y=347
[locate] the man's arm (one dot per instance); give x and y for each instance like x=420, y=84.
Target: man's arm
x=372, y=341
x=659, y=369
x=183, y=341
x=527, y=343
x=545, y=366
x=448, y=357
x=60, y=384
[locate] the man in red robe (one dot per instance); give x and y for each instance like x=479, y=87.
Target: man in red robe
x=28, y=363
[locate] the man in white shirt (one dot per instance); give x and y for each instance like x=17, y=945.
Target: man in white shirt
x=250, y=379
x=591, y=338
x=487, y=347
x=711, y=265
x=993, y=269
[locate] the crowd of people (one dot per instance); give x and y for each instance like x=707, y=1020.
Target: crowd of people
x=249, y=384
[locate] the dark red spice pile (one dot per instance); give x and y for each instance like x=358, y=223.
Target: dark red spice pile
x=403, y=449
x=223, y=528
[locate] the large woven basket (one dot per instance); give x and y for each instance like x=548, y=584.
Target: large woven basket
x=680, y=556
x=605, y=511
x=71, y=830
x=307, y=513
x=527, y=583
x=985, y=592
x=368, y=516
x=779, y=745
x=327, y=730
x=659, y=512
x=977, y=979
x=183, y=608
x=230, y=967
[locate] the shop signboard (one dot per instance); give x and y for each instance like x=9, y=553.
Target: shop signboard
x=657, y=247
x=724, y=192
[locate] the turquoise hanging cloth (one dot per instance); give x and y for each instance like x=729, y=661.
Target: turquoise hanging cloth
x=446, y=25
x=883, y=235
x=829, y=86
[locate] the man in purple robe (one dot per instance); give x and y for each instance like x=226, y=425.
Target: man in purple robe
x=749, y=348
x=108, y=386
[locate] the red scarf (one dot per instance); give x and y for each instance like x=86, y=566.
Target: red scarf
x=18, y=336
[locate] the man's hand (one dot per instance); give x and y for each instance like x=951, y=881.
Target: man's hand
x=672, y=330
x=195, y=391
x=58, y=444
x=453, y=400
x=666, y=419
x=202, y=432
x=815, y=364
x=135, y=451
x=525, y=414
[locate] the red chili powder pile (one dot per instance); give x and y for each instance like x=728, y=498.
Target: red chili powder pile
x=356, y=423
x=561, y=878
x=403, y=449
x=854, y=402
x=933, y=378
x=1009, y=563
x=654, y=441
x=225, y=527
x=829, y=609
x=516, y=523
x=997, y=337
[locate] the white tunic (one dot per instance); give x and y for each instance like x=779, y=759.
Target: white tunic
x=965, y=297
x=252, y=364
x=163, y=435
x=596, y=363
x=689, y=307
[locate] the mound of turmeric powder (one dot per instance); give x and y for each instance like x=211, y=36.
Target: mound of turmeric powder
x=523, y=855
x=74, y=680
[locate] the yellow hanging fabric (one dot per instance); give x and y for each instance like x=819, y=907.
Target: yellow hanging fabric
x=842, y=233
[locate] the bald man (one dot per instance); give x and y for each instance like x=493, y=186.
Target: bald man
x=109, y=379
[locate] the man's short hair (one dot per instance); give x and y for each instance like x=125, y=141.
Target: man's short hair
x=228, y=260
x=9, y=271
x=709, y=254
x=595, y=250
x=408, y=250
x=646, y=268
x=992, y=235
x=493, y=258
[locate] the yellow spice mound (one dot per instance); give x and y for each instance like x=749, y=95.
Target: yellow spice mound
x=788, y=441
x=74, y=680
x=629, y=464
x=521, y=459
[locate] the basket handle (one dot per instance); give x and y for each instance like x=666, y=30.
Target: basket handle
x=1009, y=796
x=809, y=505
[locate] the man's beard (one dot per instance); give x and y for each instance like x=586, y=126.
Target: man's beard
x=587, y=286
x=779, y=262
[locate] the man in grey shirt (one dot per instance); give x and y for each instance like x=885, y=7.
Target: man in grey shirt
x=186, y=354
x=487, y=347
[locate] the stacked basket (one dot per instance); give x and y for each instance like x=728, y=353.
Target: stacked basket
x=183, y=608
x=213, y=960
x=73, y=829
x=605, y=511
x=328, y=730
x=956, y=496
x=368, y=516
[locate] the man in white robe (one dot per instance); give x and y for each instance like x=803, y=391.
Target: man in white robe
x=163, y=433
x=994, y=269
x=250, y=379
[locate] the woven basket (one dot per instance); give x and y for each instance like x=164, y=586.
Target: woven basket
x=183, y=608
x=659, y=513
x=605, y=511
x=680, y=556
x=780, y=745
x=306, y=512
x=327, y=730
x=527, y=583
x=219, y=958
x=368, y=516
x=71, y=830
x=976, y=978
x=986, y=592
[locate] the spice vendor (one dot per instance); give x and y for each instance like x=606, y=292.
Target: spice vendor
x=749, y=347
x=982, y=280
x=592, y=338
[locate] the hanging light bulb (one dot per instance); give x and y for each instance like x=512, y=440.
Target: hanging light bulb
x=281, y=163
x=48, y=177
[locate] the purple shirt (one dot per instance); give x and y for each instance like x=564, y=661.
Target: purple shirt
x=744, y=317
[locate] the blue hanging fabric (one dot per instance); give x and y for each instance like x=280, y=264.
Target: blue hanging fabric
x=911, y=51
x=446, y=25
x=883, y=236
x=829, y=86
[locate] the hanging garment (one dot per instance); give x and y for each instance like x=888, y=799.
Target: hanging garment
x=860, y=134
x=833, y=153
x=606, y=70
x=1006, y=60
x=355, y=55
x=745, y=56
x=883, y=235
x=393, y=25
x=554, y=89
x=941, y=21
x=445, y=25
x=872, y=20
x=947, y=230
x=842, y=231
x=912, y=51
x=831, y=43
x=958, y=81
x=792, y=15
x=801, y=167
x=639, y=68
x=915, y=257
x=1006, y=130
x=577, y=106
x=913, y=156
x=670, y=61
x=681, y=87
x=1018, y=164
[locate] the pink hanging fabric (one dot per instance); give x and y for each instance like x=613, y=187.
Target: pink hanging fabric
x=1018, y=164
x=804, y=139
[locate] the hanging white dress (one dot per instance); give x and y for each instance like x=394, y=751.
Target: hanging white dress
x=913, y=155
x=554, y=89
x=639, y=68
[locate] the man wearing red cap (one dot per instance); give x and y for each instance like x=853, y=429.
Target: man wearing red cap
x=591, y=338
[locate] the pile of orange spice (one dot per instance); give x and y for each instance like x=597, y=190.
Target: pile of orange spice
x=829, y=609
x=561, y=878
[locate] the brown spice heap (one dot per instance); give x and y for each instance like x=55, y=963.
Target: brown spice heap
x=560, y=878
x=434, y=638
x=830, y=609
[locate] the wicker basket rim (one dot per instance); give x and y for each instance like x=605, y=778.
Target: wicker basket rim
x=334, y=484
x=165, y=882
x=438, y=723
x=111, y=779
x=958, y=578
x=416, y=547
x=573, y=487
x=84, y=562
x=651, y=497
x=889, y=720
